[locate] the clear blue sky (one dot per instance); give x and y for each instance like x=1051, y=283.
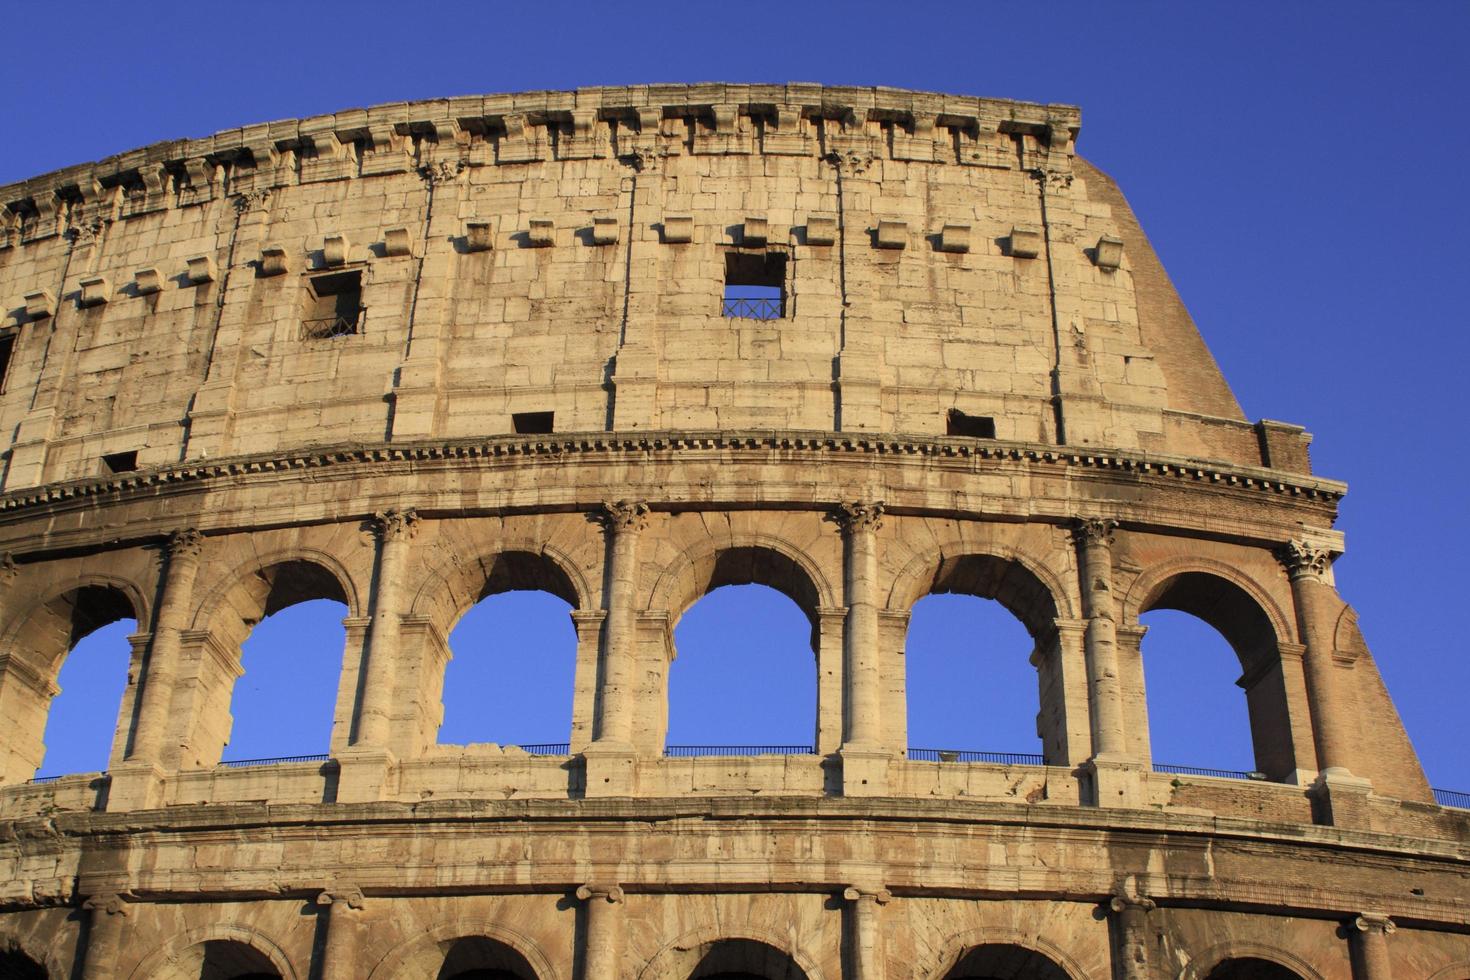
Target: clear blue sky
x=1297, y=166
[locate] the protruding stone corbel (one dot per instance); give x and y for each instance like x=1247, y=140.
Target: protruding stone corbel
x=604, y=230
x=954, y=238
x=335, y=249
x=199, y=270
x=1025, y=241
x=724, y=117
x=94, y=291
x=753, y=232
x=273, y=260
x=891, y=234
x=148, y=281
x=1107, y=254
x=678, y=229
x=479, y=236
x=397, y=242
x=40, y=304
x=541, y=233
x=821, y=229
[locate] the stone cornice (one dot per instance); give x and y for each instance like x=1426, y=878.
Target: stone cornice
x=558, y=125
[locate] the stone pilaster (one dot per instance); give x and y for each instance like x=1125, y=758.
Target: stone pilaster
x=1341, y=797
x=1369, y=934
x=339, y=950
x=865, y=936
x=1130, y=936
x=105, y=920
x=602, y=955
x=138, y=783
x=609, y=759
x=864, y=763
x=366, y=763
x=1115, y=776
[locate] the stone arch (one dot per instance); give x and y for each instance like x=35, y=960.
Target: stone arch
x=943, y=567
x=1243, y=611
x=223, y=621
x=34, y=645
x=1211, y=958
x=455, y=584
x=679, y=958
x=422, y=957
x=173, y=959
x=1032, y=593
x=44, y=959
x=698, y=569
x=966, y=943
x=1455, y=971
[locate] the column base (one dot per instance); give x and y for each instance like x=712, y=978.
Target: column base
x=610, y=769
x=134, y=786
x=1116, y=781
x=1340, y=799
x=365, y=775
x=864, y=771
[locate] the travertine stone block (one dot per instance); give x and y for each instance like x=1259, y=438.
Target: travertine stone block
x=199, y=270
x=678, y=229
x=954, y=238
x=1025, y=241
x=40, y=304
x=94, y=291
x=540, y=233
x=479, y=236
x=1108, y=253
x=397, y=242
x=335, y=249
x=273, y=260
x=821, y=229
x=753, y=234
x=147, y=281
x=604, y=230
x=891, y=234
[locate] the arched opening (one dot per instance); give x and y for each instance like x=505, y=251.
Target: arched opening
x=1005, y=961
x=284, y=700
x=15, y=965
x=224, y=959
x=513, y=658
x=981, y=662
x=284, y=623
x=1187, y=673
x=478, y=958
x=1251, y=968
x=744, y=677
x=77, y=644
x=746, y=959
x=971, y=686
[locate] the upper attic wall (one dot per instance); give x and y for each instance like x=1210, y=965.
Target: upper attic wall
x=566, y=253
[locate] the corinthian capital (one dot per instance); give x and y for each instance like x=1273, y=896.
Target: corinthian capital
x=859, y=515
x=1303, y=560
x=395, y=524
x=623, y=515
x=1094, y=530
x=184, y=544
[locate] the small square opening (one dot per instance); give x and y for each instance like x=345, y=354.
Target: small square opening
x=121, y=462
x=531, y=423
x=974, y=426
x=333, y=305
x=755, y=286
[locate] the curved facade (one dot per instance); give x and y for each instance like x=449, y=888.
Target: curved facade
x=411, y=356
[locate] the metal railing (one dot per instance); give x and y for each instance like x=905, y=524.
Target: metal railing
x=694, y=751
x=752, y=309
x=39, y=780
x=1259, y=777
x=244, y=763
x=327, y=327
x=546, y=748
x=1451, y=797
x=958, y=755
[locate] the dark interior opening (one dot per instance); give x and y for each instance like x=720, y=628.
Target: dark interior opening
x=7, y=345
x=528, y=423
x=121, y=462
x=974, y=426
x=333, y=305
x=755, y=286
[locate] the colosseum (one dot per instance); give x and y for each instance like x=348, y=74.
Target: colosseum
x=412, y=356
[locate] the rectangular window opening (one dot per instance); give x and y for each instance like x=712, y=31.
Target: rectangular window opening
x=7, y=346
x=333, y=305
x=755, y=286
x=532, y=423
x=974, y=426
x=121, y=462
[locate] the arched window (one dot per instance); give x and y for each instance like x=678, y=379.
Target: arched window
x=284, y=702
x=76, y=644
x=511, y=677
x=982, y=665
x=746, y=959
x=970, y=682
x=225, y=959
x=1251, y=968
x=743, y=676
x=478, y=958
x=1005, y=961
x=1188, y=676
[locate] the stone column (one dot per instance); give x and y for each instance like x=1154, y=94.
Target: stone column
x=864, y=763
x=339, y=951
x=138, y=783
x=1130, y=924
x=367, y=761
x=1094, y=540
x=104, y=935
x=1314, y=599
x=602, y=956
x=1369, y=937
x=609, y=759
x=866, y=937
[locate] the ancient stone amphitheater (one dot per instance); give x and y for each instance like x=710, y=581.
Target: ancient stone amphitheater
x=410, y=356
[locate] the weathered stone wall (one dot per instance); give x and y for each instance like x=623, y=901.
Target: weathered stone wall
x=566, y=253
